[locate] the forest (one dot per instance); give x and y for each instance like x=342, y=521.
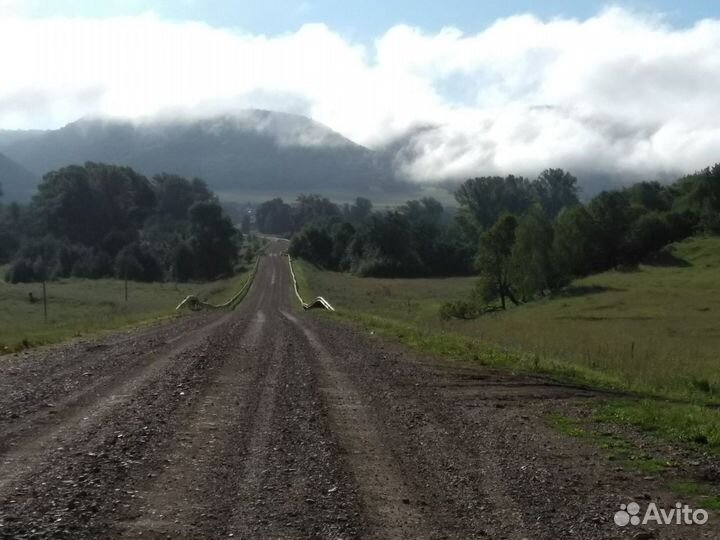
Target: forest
x=98, y=220
x=524, y=238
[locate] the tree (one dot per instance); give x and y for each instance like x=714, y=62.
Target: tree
x=83, y=204
x=699, y=192
x=183, y=263
x=650, y=195
x=11, y=230
x=424, y=218
x=342, y=234
x=613, y=215
x=274, y=217
x=137, y=263
x=213, y=240
x=555, y=189
x=312, y=209
x=314, y=244
x=575, y=243
x=383, y=247
x=532, y=269
x=493, y=260
x=647, y=234
x=488, y=198
x=175, y=195
x=359, y=210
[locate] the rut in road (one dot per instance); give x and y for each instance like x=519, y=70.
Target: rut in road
x=270, y=422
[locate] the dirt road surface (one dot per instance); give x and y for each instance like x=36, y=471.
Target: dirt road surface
x=269, y=422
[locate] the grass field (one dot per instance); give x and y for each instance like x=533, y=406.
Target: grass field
x=79, y=307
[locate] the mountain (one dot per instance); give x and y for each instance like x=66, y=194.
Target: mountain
x=16, y=182
x=254, y=151
x=9, y=136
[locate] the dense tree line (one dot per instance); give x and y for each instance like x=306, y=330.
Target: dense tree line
x=420, y=238
x=416, y=239
x=534, y=237
x=525, y=238
x=280, y=218
x=101, y=220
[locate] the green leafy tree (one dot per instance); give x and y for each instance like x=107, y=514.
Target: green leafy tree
x=494, y=256
x=383, y=247
x=532, y=268
x=613, y=216
x=136, y=262
x=83, y=204
x=213, y=240
x=313, y=243
x=314, y=209
x=488, y=198
x=175, y=194
x=359, y=211
x=650, y=196
x=575, y=242
x=274, y=217
x=555, y=189
x=183, y=263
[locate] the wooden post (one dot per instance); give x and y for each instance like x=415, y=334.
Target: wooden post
x=45, y=300
x=126, y=288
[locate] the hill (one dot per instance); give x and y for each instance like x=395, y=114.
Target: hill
x=253, y=151
x=16, y=182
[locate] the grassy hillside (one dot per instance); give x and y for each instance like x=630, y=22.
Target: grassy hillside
x=81, y=306
x=655, y=329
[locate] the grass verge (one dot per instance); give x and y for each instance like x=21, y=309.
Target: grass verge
x=80, y=307
x=652, y=334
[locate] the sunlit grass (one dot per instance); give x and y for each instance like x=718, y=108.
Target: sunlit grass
x=654, y=331
x=79, y=307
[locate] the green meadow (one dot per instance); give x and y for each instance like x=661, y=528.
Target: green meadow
x=656, y=327
x=78, y=307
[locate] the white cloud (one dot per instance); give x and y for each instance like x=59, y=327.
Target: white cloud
x=618, y=93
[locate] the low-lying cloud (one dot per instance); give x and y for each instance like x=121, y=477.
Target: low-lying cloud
x=618, y=94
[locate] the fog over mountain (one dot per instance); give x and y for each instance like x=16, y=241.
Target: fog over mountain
x=621, y=94
x=254, y=150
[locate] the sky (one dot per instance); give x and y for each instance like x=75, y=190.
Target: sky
x=629, y=89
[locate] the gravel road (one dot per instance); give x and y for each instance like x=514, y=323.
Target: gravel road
x=270, y=422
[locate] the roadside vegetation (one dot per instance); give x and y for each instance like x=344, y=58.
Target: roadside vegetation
x=652, y=333
x=639, y=330
x=81, y=307
x=103, y=221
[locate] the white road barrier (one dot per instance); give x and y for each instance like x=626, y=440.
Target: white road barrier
x=193, y=303
x=317, y=302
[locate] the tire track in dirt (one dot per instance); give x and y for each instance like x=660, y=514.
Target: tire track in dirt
x=66, y=373
x=457, y=477
x=391, y=509
x=60, y=426
x=190, y=497
x=79, y=489
x=295, y=483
